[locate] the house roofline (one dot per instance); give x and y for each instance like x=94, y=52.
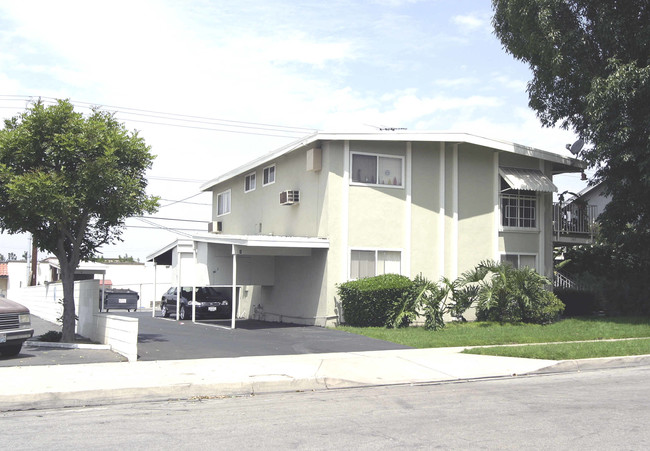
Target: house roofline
x=267, y=241
x=562, y=164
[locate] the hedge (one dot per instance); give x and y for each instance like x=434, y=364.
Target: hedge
x=368, y=302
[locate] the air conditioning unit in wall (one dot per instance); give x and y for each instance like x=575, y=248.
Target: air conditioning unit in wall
x=215, y=227
x=289, y=197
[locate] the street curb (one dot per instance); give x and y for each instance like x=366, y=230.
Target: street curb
x=58, y=400
x=54, y=344
x=566, y=366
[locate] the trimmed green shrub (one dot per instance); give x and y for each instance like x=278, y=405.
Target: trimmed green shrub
x=370, y=302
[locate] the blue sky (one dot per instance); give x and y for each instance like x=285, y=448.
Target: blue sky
x=336, y=65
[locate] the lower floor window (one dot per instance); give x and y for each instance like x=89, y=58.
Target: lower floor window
x=519, y=260
x=374, y=263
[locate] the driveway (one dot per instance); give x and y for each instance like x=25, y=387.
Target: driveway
x=166, y=339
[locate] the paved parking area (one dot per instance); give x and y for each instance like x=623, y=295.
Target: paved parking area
x=40, y=355
x=168, y=339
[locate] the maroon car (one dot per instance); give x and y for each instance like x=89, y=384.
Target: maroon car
x=15, y=327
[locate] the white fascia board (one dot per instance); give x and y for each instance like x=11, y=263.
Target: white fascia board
x=265, y=241
x=260, y=161
x=399, y=136
x=161, y=251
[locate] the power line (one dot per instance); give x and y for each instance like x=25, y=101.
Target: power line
x=182, y=200
x=175, y=179
x=171, y=219
x=277, y=129
x=189, y=203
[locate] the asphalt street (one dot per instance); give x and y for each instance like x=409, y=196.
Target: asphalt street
x=603, y=409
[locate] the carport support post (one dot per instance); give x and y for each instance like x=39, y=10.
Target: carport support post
x=233, y=302
x=155, y=285
x=178, y=288
x=103, y=289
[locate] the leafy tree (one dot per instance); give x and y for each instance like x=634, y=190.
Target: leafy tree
x=590, y=62
x=71, y=181
x=11, y=256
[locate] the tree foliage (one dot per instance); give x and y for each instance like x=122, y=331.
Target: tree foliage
x=71, y=181
x=590, y=63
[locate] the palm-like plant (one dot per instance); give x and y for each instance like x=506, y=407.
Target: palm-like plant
x=507, y=294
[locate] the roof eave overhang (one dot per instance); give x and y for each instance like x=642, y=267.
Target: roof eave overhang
x=560, y=163
x=260, y=241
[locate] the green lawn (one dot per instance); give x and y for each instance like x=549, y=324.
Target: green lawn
x=570, y=351
x=483, y=333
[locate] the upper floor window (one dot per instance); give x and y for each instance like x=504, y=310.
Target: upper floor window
x=370, y=263
x=250, y=182
x=269, y=175
x=223, y=203
x=518, y=207
x=369, y=169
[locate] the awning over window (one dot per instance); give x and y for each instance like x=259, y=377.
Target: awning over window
x=527, y=179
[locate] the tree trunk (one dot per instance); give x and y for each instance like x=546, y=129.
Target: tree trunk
x=69, y=317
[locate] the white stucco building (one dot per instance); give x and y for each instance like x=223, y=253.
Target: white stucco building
x=291, y=225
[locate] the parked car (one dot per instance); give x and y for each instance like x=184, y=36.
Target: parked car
x=15, y=327
x=210, y=302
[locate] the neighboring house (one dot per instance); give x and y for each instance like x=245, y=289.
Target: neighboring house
x=291, y=225
x=575, y=215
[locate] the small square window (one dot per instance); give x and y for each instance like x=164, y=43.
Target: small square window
x=269, y=175
x=250, y=183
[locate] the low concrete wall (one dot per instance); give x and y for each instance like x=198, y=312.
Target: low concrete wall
x=121, y=333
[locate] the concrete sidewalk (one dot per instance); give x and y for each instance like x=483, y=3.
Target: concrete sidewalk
x=53, y=386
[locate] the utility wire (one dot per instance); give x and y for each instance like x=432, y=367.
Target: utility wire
x=170, y=219
x=181, y=117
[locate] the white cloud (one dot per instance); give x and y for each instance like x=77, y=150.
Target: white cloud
x=468, y=23
x=336, y=66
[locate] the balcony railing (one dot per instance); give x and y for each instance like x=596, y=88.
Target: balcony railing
x=574, y=220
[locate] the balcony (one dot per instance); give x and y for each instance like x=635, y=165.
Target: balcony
x=574, y=223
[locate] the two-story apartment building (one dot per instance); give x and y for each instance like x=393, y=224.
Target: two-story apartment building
x=292, y=224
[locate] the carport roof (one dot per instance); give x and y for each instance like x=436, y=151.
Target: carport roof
x=163, y=255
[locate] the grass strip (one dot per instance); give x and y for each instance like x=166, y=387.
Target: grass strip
x=487, y=333
x=569, y=351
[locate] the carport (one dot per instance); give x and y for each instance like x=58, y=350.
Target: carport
x=231, y=261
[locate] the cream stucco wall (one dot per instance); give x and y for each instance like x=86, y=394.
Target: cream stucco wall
x=475, y=206
x=444, y=220
x=259, y=211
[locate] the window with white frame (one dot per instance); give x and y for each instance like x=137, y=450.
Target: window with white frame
x=250, y=182
x=370, y=263
x=269, y=175
x=520, y=260
x=518, y=207
x=369, y=169
x=223, y=203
